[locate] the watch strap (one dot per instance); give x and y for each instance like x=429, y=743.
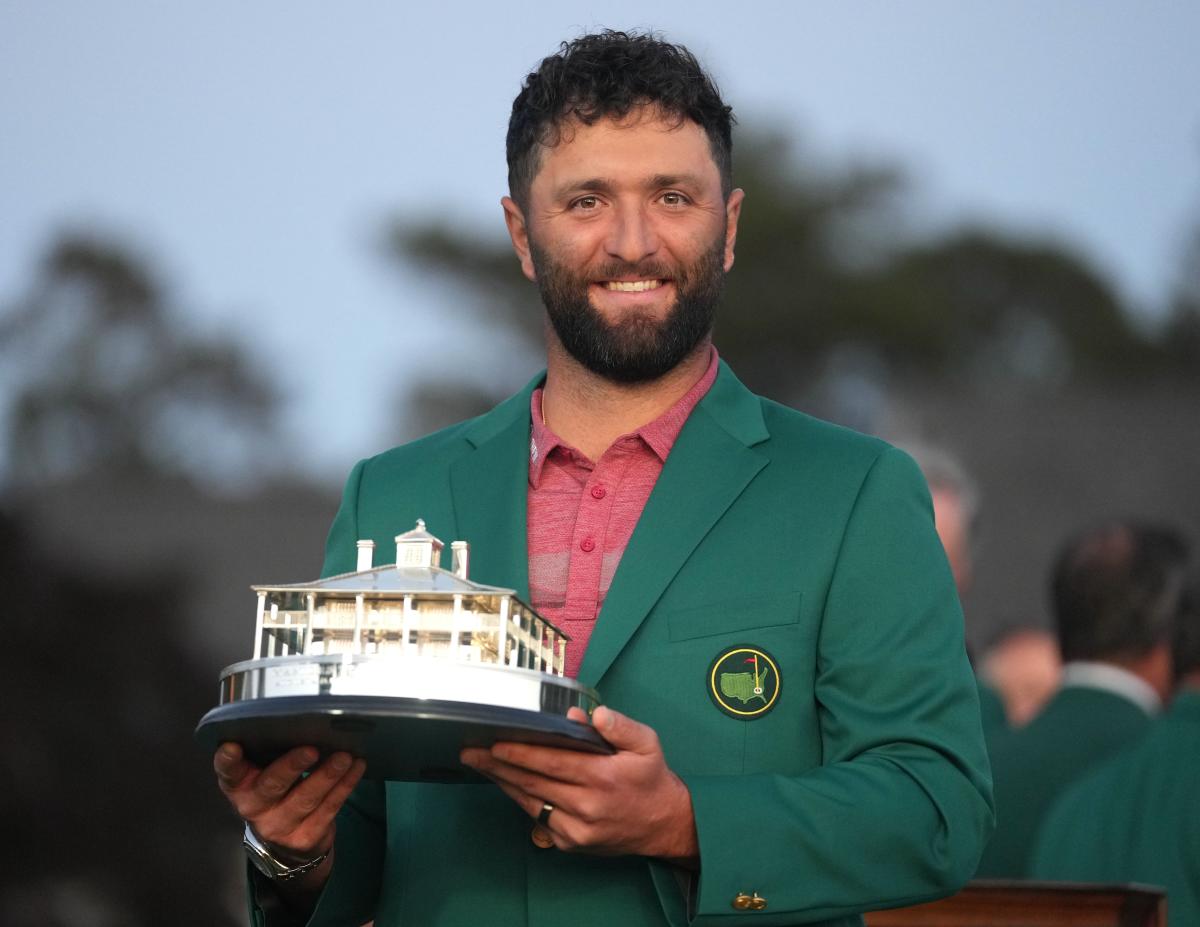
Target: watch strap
x=272, y=866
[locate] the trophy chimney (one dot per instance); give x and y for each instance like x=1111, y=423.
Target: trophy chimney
x=460, y=555
x=366, y=555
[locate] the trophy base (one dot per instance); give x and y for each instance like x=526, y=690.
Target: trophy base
x=411, y=739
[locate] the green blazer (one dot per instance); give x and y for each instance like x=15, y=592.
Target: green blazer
x=1078, y=729
x=991, y=708
x=865, y=786
x=1136, y=819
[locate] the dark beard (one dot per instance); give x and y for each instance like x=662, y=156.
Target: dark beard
x=638, y=349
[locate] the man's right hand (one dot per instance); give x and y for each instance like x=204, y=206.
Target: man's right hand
x=287, y=809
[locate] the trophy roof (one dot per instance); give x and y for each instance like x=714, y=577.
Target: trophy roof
x=420, y=534
x=388, y=580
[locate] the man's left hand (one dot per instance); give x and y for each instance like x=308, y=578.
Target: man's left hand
x=627, y=803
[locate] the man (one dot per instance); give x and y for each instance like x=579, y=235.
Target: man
x=672, y=522
x=1024, y=666
x=1116, y=593
x=955, y=510
x=1137, y=818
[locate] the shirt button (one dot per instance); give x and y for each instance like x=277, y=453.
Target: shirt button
x=587, y=545
x=598, y=492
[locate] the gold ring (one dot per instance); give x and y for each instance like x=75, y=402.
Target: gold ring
x=544, y=818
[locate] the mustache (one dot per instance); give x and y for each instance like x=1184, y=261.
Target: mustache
x=646, y=269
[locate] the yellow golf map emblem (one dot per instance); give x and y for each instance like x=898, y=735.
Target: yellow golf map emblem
x=744, y=682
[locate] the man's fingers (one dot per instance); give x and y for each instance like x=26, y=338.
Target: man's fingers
x=624, y=733
x=275, y=781
x=231, y=766
x=301, y=819
x=527, y=767
x=575, y=713
x=307, y=795
x=313, y=831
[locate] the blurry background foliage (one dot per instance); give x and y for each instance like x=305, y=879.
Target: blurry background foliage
x=145, y=484
x=826, y=268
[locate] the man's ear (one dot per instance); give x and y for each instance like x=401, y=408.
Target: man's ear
x=518, y=231
x=733, y=211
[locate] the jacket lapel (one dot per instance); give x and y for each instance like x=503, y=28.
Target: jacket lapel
x=710, y=464
x=488, y=485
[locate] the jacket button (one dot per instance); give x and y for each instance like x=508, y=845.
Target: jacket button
x=757, y=903
x=541, y=837
x=741, y=902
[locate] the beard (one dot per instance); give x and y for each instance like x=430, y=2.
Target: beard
x=638, y=348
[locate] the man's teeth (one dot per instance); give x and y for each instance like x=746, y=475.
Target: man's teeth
x=633, y=286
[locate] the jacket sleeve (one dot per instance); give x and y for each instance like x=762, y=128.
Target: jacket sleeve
x=901, y=806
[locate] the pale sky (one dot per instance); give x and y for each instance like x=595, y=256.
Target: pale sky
x=253, y=150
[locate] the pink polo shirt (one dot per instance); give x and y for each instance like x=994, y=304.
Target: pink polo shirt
x=580, y=514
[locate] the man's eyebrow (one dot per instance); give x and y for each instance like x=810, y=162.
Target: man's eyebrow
x=606, y=186
x=592, y=185
x=675, y=180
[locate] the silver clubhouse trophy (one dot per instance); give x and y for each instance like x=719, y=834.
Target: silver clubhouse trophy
x=404, y=665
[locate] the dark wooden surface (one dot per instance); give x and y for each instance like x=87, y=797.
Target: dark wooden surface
x=1034, y=904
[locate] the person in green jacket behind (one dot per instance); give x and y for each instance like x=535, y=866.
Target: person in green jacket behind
x=955, y=515
x=855, y=779
x=1137, y=818
x=1116, y=592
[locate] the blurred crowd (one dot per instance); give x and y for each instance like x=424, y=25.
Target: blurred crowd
x=1093, y=725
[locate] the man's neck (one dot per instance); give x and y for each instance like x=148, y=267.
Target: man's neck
x=589, y=412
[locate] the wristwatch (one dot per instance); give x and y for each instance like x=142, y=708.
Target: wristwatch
x=269, y=864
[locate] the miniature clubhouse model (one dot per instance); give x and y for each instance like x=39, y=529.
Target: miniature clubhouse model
x=402, y=664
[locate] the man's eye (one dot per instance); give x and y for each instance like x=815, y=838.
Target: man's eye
x=586, y=202
x=671, y=198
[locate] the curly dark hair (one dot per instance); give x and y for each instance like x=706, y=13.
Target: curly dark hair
x=607, y=75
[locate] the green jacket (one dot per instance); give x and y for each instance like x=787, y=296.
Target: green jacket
x=991, y=708
x=866, y=785
x=1077, y=730
x=1136, y=819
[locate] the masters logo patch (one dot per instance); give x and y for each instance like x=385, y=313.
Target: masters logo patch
x=744, y=682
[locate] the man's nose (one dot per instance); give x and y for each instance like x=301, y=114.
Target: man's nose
x=632, y=236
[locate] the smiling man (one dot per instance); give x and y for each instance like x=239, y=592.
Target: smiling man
x=760, y=597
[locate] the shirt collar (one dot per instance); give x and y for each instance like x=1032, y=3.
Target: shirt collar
x=659, y=435
x=1112, y=679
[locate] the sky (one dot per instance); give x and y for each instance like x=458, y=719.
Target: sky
x=255, y=151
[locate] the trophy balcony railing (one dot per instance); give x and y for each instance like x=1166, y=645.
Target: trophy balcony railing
x=459, y=627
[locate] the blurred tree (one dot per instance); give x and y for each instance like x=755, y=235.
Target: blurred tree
x=977, y=303
x=827, y=269
x=110, y=811
x=1181, y=334
x=103, y=377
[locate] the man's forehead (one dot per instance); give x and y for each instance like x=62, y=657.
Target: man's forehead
x=654, y=144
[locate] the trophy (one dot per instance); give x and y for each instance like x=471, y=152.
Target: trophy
x=403, y=665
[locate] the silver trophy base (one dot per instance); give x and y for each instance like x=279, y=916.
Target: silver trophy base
x=368, y=706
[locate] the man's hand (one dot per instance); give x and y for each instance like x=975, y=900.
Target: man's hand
x=627, y=803
x=287, y=811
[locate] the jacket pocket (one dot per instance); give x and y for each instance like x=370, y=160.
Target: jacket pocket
x=725, y=616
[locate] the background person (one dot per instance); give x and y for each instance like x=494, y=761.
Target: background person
x=1024, y=667
x=1137, y=818
x=1116, y=593
x=955, y=513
